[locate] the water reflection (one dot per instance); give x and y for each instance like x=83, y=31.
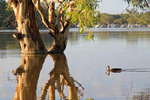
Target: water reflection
x=59, y=77
x=28, y=74
x=74, y=37
x=128, y=50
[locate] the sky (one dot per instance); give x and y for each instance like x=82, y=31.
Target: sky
x=112, y=6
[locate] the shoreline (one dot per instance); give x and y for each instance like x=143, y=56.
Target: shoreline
x=87, y=30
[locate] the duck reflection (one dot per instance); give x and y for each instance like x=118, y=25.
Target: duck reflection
x=28, y=74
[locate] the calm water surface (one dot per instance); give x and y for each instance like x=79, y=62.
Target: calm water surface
x=81, y=69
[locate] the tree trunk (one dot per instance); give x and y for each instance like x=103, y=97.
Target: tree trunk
x=57, y=23
x=60, y=38
x=28, y=32
x=60, y=42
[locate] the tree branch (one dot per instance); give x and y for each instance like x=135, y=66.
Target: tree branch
x=51, y=12
x=58, y=21
x=12, y=3
x=43, y=15
x=62, y=26
x=58, y=1
x=67, y=25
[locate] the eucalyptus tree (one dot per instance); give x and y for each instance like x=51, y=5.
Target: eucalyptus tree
x=62, y=14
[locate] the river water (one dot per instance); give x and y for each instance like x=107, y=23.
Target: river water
x=81, y=70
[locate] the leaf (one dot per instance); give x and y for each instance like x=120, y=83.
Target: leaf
x=90, y=35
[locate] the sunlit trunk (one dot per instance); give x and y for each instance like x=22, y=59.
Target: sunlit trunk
x=60, y=42
x=60, y=38
x=28, y=32
x=51, y=11
x=56, y=22
x=28, y=74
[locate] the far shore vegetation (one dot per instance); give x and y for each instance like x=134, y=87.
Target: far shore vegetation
x=132, y=18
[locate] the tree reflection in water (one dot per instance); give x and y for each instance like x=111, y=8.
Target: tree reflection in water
x=28, y=74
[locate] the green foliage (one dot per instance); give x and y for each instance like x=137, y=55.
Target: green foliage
x=144, y=19
x=83, y=13
x=2, y=11
x=132, y=16
x=118, y=21
x=143, y=4
x=5, y=13
x=90, y=35
x=138, y=18
x=9, y=9
x=2, y=8
x=113, y=18
x=106, y=18
x=97, y=18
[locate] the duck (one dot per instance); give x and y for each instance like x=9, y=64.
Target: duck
x=114, y=70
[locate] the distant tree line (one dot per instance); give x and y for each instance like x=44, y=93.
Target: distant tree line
x=131, y=17
x=7, y=18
